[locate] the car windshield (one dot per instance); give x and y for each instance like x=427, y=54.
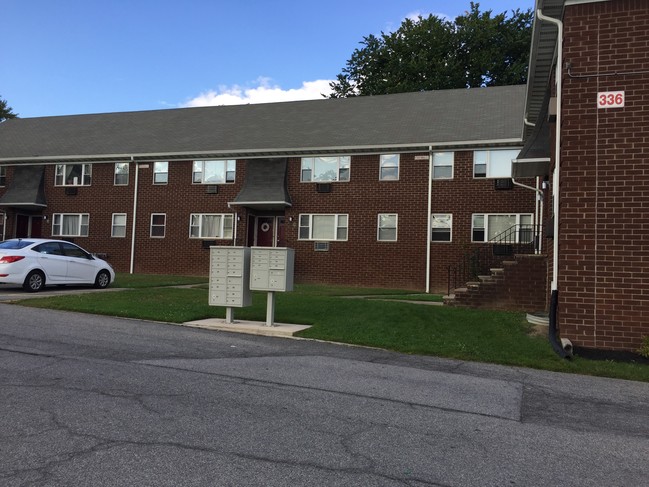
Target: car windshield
x=15, y=244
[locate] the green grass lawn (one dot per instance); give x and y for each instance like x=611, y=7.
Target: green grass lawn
x=477, y=335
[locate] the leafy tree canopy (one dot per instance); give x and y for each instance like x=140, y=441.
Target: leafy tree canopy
x=432, y=53
x=6, y=111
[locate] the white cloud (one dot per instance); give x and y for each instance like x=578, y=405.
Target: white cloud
x=262, y=91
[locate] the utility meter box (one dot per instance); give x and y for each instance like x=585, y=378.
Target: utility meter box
x=272, y=269
x=229, y=276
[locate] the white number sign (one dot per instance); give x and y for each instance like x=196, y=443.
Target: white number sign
x=610, y=99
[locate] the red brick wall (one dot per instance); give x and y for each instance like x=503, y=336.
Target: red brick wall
x=604, y=226
x=359, y=261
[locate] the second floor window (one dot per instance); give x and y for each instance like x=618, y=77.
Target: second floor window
x=73, y=175
x=389, y=167
x=3, y=175
x=121, y=173
x=214, y=172
x=443, y=165
x=160, y=172
x=493, y=163
x=325, y=169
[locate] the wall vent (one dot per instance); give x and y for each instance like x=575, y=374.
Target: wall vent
x=71, y=191
x=321, y=246
x=323, y=187
x=212, y=189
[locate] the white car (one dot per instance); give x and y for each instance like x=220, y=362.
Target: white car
x=34, y=263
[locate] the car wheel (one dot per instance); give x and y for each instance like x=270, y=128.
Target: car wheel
x=102, y=280
x=34, y=282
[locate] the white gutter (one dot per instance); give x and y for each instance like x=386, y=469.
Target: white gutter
x=557, y=148
x=430, y=203
x=259, y=153
x=134, y=217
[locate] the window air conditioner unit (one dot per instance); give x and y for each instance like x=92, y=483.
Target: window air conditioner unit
x=321, y=246
x=71, y=191
x=212, y=189
x=323, y=187
x=505, y=183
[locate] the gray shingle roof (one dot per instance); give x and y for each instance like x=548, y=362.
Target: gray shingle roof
x=407, y=120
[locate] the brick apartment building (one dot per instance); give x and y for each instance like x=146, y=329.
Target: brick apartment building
x=588, y=89
x=381, y=191
x=386, y=191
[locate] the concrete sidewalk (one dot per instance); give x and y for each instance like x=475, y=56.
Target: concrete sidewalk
x=249, y=327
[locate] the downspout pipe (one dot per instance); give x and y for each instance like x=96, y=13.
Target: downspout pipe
x=430, y=203
x=132, y=265
x=554, y=291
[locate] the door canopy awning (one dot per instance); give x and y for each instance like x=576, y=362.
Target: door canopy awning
x=25, y=190
x=265, y=185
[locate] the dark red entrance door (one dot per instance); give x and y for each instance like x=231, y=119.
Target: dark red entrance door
x=265, y=231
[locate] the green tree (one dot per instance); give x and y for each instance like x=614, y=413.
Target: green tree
x=6, y=111
x=476, y=49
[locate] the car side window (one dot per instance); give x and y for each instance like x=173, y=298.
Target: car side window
x=50, y=248
x=73, y=251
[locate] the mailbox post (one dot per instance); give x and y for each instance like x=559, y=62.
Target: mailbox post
x=271, y=271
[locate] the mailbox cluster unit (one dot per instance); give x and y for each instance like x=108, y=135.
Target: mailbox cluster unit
x=272, y=269
x=231, y=278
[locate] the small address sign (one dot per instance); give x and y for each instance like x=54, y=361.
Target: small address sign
x=610, y=99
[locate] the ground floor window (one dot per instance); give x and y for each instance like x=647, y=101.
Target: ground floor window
x=441, y=225
x=323, y=227
x=3, y=175
x=513, y=228
x=158, y=225
x=119, y=225
x=70, y=224
x=211, y=225
x=387, y=227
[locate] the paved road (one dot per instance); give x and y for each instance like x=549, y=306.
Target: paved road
x=95, y=401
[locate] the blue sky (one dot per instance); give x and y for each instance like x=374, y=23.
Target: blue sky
x=61, y=57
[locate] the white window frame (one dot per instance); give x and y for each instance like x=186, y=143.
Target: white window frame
x=118, y=166
x=225, y=230
x=115, y=226
x=382, y=224
x=438, y=163
x=84, y=179
x=228, y=168
x=3, y=176
x=435, y=223
x=389, y=162
x=342, y=163
x=489, y=170
x=485, y=227
x=81, y=227
x=341, y=223
x=160, y=168
x=163, y=225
